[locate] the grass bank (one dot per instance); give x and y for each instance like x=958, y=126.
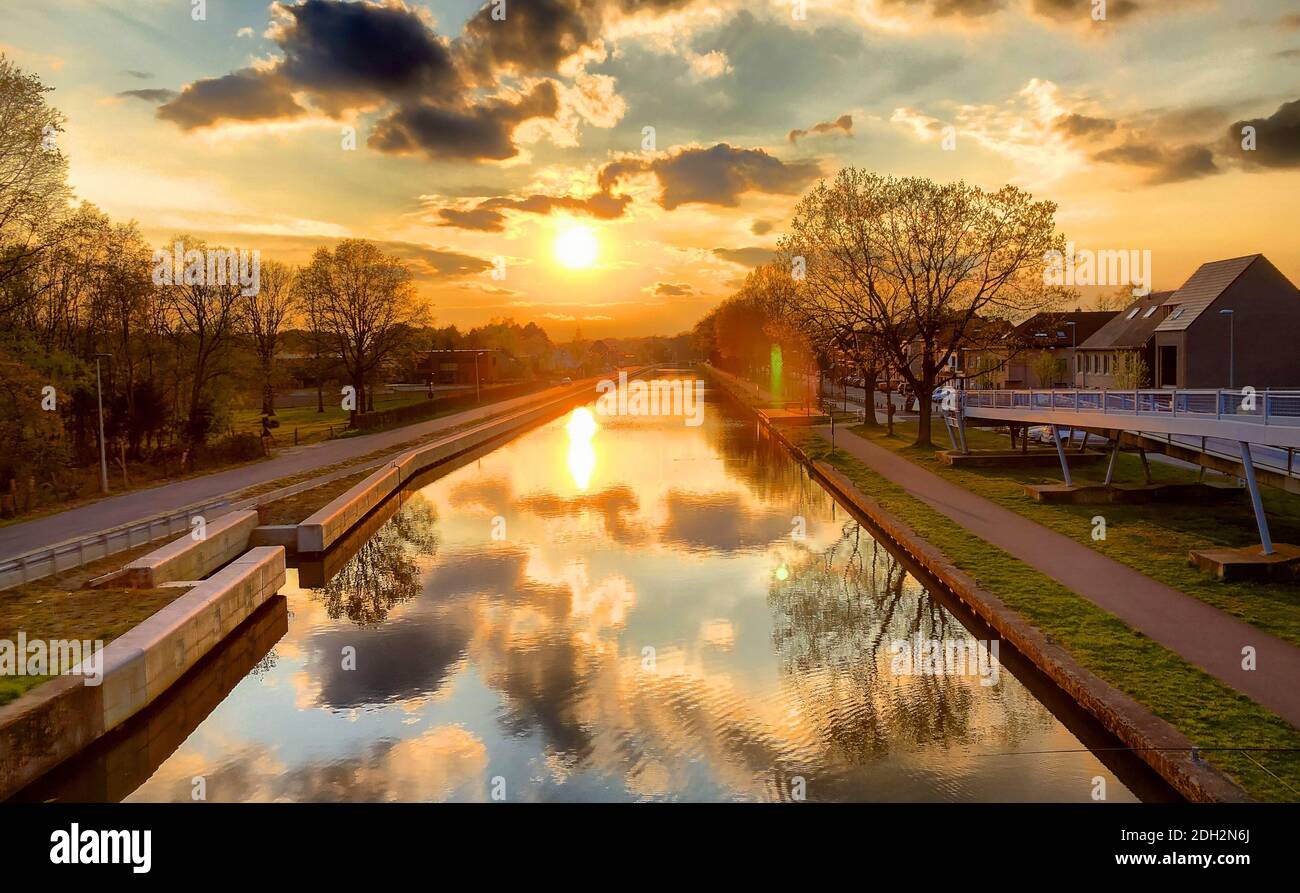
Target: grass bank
x=58, y=608
x=1259, y=749
x=1152, y=539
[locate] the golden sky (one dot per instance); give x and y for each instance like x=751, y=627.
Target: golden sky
x=472, y=144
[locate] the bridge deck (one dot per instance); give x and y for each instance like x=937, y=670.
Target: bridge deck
x=1269, y=418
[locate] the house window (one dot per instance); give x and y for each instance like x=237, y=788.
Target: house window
x=1178, y=311
x=1132, y=313
x=1150, y=310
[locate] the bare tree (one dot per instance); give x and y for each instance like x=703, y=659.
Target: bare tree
x=366, y=303
x=262, y=316
x=918, y=267
x=205, y=310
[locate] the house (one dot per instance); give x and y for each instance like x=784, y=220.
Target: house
x=1121, y=354
x=464, y=366
x=1232, y=324
x=1038, y=353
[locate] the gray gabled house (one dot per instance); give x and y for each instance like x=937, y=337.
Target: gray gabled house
x=1122, y=353
x=1196, y=342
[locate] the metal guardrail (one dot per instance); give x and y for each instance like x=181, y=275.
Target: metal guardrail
x=1261, y=407
x=50, y=560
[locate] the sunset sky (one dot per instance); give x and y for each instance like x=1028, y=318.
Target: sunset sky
x=478, y=139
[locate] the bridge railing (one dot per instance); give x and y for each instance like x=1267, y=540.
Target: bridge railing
x=1245, y=405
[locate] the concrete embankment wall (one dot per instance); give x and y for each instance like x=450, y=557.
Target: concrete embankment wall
x=1155, y=742
x=323, y=528
x=187, y=558
x=60, y=718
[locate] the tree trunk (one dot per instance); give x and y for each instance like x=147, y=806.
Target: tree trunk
x=869, y=398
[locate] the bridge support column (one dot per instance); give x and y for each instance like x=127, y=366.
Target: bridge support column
x=1114, y=458
x=948, y=427
x=1260, y=519
x=1060, y=452
x=961, y=429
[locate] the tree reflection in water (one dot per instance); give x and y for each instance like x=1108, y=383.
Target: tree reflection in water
x=835, y=619
x=384, y=572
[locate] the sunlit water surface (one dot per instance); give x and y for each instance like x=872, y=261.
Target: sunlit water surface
x=615, y=612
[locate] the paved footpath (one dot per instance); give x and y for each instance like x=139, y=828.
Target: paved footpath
x=1201, y=634
x=140, y=504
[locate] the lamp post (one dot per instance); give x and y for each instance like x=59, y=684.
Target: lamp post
x=478, y=387
x=103, y=450
x=1074, y=351
x=1232, y=351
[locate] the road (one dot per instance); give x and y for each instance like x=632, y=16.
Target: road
x=140, y=504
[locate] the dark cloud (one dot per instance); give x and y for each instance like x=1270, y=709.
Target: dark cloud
x=434, y=263
x=151, y=95
x=481, y=219
x=842, y=124
x=946, y=8
x=538, y=35
x=1277, y=139
x=344, y=56
x=138, y=75
x=747, y=257
x=245, y=95
x=488, y=215
x=1083, y=126
x=717, y=175
x=1166, y=165
x=337, y=50
x=762, y=227
x=1073, y=10
x=464, y=132
x=672, y=289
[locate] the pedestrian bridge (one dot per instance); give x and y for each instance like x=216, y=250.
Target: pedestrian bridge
x=1267, y=420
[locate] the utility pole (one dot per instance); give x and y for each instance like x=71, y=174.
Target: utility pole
x=103, y=450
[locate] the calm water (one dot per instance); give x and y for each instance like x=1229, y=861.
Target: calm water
x=619, y=616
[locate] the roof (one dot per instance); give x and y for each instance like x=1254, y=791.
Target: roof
x=1132, y=326
x=1055, y=333
x=1203, y=289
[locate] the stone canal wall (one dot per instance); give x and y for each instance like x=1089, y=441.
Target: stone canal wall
x=224, y=539
x=56, y=720
x=323, y=528
x=1154, y=741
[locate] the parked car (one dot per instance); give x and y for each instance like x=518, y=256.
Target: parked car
x=566, y=380
x=1043, y=434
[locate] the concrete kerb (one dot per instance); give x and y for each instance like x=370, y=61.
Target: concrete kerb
x=1154, y=741
x=320, y=530
x=186, y=558
x=56, y=720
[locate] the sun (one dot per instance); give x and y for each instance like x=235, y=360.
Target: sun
x=576, y=247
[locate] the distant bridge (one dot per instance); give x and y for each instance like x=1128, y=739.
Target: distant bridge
x=1189, y=421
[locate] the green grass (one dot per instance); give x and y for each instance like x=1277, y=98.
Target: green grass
x=314, y=426
x=58, y=608
x=1208, y=712
x=1152, y=539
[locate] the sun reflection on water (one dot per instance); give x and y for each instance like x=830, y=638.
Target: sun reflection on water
x=582, y=428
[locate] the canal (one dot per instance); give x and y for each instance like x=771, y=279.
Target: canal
x=611, y=608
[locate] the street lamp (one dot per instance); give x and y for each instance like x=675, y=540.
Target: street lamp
x=478, y=387
x=1232, y=351
x=1074, y=351
x=103, y=451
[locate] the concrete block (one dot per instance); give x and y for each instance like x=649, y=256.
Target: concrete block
x=1250, y=563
